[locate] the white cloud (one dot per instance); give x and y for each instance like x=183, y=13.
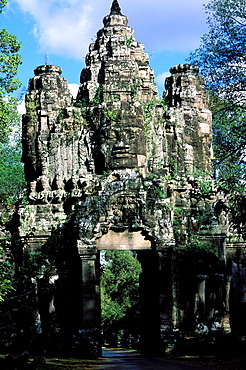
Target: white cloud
x=73, y=89
x=65, y=27
x=61, y=27
x=21, y=108
x=160, y=79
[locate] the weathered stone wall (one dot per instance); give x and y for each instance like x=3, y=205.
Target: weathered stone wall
x=56, y=143
x=188, y=101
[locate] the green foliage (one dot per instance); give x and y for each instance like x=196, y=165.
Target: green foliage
x=39, y=264
x=128, y=41
x=237, y=207
x=5, y=275
x=229, y=143
x=221, y=54
x=174, y=168
x=6, y=109
x=84, y=104
x=195, y=246
x=158, y=189
x=145, y=59
x=222, y=59
x=110, y=115
x=205, y=182
x=160, y=193
x=81, y=103
x=186, y=227
x=18, y=310
x=98, y=98
x=77, y=117
x=84, y=107
x=148, y=108
x=152, y=176
x=105, y=174
x=31, y=105
x=12, y=179
x=11, y=170
x=119, y=293
x=3, y=3
x=9, y=63
x=136, y=84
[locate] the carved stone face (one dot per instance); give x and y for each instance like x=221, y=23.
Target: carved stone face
x=124, y=146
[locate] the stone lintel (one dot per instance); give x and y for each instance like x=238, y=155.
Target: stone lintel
x=126, y=240
x=86, y=251
x=33, y=242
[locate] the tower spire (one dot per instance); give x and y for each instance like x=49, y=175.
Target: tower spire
x=115, y=8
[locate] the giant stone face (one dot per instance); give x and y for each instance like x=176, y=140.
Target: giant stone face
x=123, y=143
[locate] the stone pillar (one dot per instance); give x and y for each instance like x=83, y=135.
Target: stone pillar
x=219, y=304
x=168, y=301
x=155, y=300
x=200, y=298
x=149, y=303
x=91, y=312
x=226, y=319
x=167, y=292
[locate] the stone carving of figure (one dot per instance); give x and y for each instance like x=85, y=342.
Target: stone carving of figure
x=44, y=195
x=124, y=146
x=33, y=193
x=59, y=184
x=59, y=192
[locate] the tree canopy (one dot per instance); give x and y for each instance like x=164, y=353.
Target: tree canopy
x=119, y=295
x=10, y=60
x=11, y=170
x=12, y=179
x=222, y=61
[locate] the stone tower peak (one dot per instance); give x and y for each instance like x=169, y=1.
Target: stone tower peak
x=115, y=8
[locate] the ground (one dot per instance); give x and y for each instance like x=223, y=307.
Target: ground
x=119, y=359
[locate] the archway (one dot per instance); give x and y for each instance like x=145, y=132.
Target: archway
x=149, y=282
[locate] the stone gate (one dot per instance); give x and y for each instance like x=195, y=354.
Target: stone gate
x=121, y=168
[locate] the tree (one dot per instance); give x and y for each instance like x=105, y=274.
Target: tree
x=12, y=179
x=9, y=63
x=119, y=295
x=222, y=61
x=11, y=170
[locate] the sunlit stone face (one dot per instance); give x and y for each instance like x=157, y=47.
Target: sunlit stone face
x=124, y=145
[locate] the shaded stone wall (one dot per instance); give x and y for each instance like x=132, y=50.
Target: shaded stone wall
x=188, y=101
x=120, y=168
x=56, y=142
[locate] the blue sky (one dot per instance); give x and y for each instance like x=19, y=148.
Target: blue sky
x=63, y=29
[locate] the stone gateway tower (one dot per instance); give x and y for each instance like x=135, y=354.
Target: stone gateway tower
x=119, y=168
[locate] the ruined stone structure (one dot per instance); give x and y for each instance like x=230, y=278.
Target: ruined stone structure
x=120, y=168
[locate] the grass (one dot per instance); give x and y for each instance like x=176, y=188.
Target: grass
x=66, y=364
